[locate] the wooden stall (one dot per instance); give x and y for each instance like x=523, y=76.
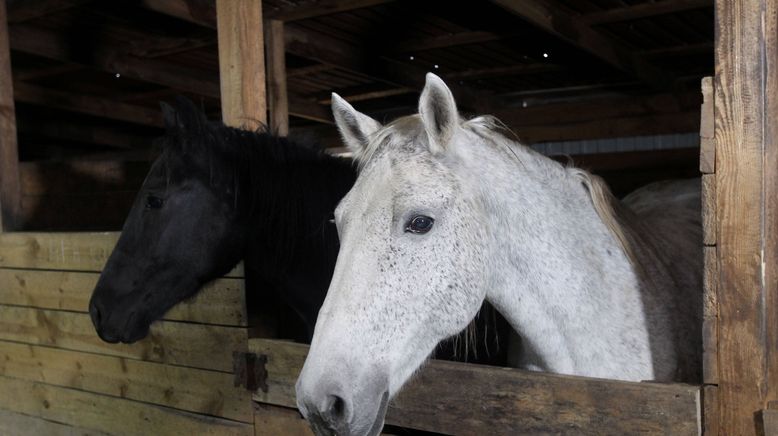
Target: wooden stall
x=78, y=112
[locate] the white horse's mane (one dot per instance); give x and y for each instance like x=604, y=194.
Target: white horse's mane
x=410, y=130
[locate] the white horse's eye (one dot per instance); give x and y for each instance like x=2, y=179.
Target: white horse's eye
x=419, y=224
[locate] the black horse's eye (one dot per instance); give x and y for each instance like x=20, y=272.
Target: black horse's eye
x=154, y=202
x=419, y=224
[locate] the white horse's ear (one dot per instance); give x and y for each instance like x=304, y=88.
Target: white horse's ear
x=355, y=127
x=438, y=112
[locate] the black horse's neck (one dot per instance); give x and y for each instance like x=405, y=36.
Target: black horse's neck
x=286, y=196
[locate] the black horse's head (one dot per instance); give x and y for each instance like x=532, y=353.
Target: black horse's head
x=185, y=228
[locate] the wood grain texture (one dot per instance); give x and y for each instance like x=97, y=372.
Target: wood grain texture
x=710, y=317
x=188, y=389
x=745, y=106
x=176, y=343
x=10, y=190
x=84, y=251
x=707, y=128
x=273, y=420
x=241, y=63
x=455, y=398
x=17, y=424
x=277, y=96
x=710, y=411
x=219, y=302
x=709, y=224
x=107, y=414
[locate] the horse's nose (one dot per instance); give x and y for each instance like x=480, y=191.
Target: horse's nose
x=327, y=410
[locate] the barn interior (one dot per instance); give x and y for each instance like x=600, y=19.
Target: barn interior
x=612, y=84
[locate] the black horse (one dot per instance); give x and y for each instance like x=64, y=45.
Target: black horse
x=217, y=195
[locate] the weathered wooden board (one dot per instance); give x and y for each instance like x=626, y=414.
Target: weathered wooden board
x=707, y=128
x=108, y=414
x=457, y=398
x=188, y=389
x=186, y=344
x=17, y=424
x=273, y=420
x=710, y=317
x=241, y=62
x=10, y=191
x=219, y=302
x=746, y=101
x=709, y=226
x=62, y=251
x=278, y=102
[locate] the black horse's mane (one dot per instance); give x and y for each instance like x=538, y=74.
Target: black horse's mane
x=288, y=186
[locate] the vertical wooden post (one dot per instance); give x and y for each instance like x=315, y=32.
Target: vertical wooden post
x=241, y=62
x=10, y=191
x=276, y=78
x=243, y=98
x=746, y=185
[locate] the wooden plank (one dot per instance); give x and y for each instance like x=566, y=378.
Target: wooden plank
x=710, y=317
x=176, y=343
x=219, y=302
x=562, y=24
x=85, y=133
x=319, y=8
x=710, y=418
x=707, y=128
x=709, y=225
x=63, y=251
x=639, y=125
x=81, y=103
x=54, y=45
x=108, y=414
x=10, y=203
x=273, y=420
x=241, y=63
x=770, y=422
x=445, y=41
x=17, y=424
x=745, y=103
x=456, y=398
x=188, y=389
x=67, y=177
x=20, y=11
x=278, y=103
x=643, y=10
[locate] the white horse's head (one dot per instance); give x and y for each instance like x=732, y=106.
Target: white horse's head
x=411, y=267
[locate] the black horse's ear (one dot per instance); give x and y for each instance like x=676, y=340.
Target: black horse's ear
x=169, y=116
x=190, y=117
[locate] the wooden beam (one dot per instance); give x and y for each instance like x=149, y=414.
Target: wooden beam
x=278, y=102
x=40, y=73
x=513, y=70
x=643, y=10
x=80, y=103
x=56, y=46
x=84, y=133
x=25, y=10
x=746, y=143
x=316, y=46
x=562, y=24
x=319, y=8
x=457, y=398
x=445, y=41
x=241, y=63
x=364, y=92
x=680, y=50
x=202, y=12
x=10, y=200
x=309, y=70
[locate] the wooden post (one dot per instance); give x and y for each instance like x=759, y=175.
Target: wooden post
x=243, y=97
x=276, y=78
x=10, y=192
x=241, y=62
x=746, y=185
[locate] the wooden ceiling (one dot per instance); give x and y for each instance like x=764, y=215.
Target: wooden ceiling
x=89, y=75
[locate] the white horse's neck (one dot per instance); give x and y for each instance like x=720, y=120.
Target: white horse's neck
x=560, y=277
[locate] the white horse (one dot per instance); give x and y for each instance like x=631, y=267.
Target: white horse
x=446, y=213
